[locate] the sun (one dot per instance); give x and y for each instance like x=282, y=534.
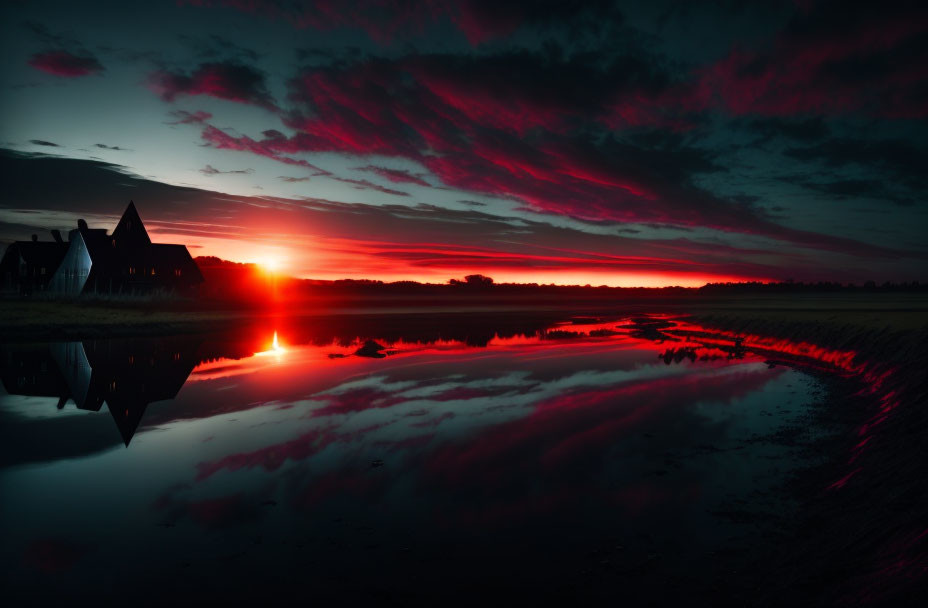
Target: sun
x=270, y=264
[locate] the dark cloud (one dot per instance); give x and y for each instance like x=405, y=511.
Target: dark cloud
x=799, y=129
x=363, y=184
x=478, y=20
x=216, y=47
x=42, y=142
x=902, y=159
x=230, y=81
x=550, y=89
x=210, y=170
x=66, y=64
x=834, y=58
x=47, y=37
x=182, y=117
x=397, y=176
x=292, y=180
x=114, y=148
x=860, y=189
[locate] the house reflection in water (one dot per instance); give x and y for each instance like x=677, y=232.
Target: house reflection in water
x=125, y=374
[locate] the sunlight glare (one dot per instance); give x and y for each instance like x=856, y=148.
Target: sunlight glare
x=270, y=264
x=275, y=349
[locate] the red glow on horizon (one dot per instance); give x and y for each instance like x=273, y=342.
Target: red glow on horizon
x=279, y=250
x=336, y=264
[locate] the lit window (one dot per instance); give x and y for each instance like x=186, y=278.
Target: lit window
x=152, y=272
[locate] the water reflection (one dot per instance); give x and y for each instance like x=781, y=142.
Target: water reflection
x=128, y=374
x=344, y=455
x=124, y=374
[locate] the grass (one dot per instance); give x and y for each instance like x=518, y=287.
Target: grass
x=37, y=318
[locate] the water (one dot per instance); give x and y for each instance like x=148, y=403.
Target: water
x=462, y=456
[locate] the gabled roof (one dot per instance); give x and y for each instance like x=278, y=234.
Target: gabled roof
x=169, y=255
x=41, y=253
x=130, y=230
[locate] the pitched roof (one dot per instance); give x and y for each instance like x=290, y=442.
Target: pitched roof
x=130, y=228
x=41, y=253
x=169, y=255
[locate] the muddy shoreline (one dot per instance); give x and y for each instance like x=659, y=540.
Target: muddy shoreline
x=860, y=533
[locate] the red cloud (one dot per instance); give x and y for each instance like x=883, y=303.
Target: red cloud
x=222, y=140
x=379, y=107
x=230, y=81
x=875, y=64
x=63, y=63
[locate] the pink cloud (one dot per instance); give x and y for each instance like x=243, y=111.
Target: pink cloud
x=63, y=63
x=827, y=73
x=230, y=81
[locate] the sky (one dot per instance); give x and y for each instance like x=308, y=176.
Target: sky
x=574, y=142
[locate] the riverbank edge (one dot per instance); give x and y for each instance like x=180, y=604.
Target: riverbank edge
x=860, y=538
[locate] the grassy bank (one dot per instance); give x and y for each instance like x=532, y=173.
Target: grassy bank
x=23, y=318
x=49, y=319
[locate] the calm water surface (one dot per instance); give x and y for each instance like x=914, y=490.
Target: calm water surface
x=455, y=457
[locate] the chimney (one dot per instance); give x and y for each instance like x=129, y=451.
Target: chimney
x=56, y=234
x=82, y=224
x=35, y=238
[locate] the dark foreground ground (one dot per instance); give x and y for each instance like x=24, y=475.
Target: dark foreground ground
x=37, y=318
x=862, y=534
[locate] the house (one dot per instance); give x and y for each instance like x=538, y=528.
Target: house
x=125, y=261
x=29, y=265
x=92, y=261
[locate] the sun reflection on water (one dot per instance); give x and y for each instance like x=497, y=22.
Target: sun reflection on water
x=275, y=348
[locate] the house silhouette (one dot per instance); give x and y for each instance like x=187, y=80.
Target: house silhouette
x=92, y=261
x=125, y=374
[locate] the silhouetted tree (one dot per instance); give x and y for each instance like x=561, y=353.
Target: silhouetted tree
x=473, y=280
